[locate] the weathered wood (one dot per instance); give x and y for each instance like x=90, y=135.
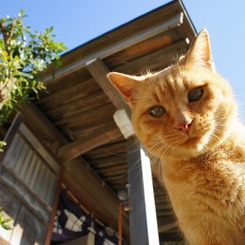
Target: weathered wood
x=64, y=96
x=140, y=49
x=171, y=236
x=90, y=116
x=94, y=194
x=97, y=138
x=99, y=71
x=155, y=60
x=53, y=213
x=66, y=81
x=140, y=31
x=11, y=206
x=91, y=190
x=40, y=125
x=109, y=161
x=31, y=220
x=167, y=224
x=33, y=231
x=11, y=133
x=85, y=103
x=87, y=128
x=118, y=148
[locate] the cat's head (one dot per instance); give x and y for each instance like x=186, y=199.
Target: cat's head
x=184, y=110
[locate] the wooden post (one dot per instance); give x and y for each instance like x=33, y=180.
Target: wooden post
x=143, y=221
x=119, y=222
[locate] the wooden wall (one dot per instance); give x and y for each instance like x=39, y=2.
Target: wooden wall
x=29, y=178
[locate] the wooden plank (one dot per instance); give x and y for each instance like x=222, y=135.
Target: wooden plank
x=64, y=96
x=80, y=119
x=87, y=128
x=11, y=133
x=53, y=213
x=28, y=198
x=109, y=161
x=167, y=225
x=133, y=35
x=99, y=71
x=97, y=138
x=11, y=206
x=171, y=236
x=85, y=103
x=156, y=60
x=119, y=149
x=140, y=49
x=34, y=232
x=40, y=125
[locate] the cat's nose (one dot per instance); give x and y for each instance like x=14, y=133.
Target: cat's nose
x=184, y=126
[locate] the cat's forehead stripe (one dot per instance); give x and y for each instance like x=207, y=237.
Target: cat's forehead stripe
x=168, y=85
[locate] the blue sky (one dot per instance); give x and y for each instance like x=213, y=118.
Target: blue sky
x=78, y=21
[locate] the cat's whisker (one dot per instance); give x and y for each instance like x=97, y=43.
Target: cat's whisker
x=193, y=163
x=136, y=175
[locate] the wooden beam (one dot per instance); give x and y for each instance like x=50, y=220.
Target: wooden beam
x=94, y=194
x=90, y=189
x=166, y=224
x=99, y=71
x=41, y=125
x=171, y=236
x=98, y=137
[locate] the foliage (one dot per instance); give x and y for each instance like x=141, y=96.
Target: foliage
x=4, y=222
x=23, y=55
x=2, y=144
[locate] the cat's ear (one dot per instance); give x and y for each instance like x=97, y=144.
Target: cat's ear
x=125, y=84
x=200, y=51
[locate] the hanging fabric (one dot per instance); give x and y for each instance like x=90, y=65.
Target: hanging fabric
x=71, y=222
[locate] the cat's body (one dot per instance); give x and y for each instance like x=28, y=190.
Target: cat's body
x=208, y=196
x=186, y=116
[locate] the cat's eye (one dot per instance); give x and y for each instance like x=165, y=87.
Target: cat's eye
x=157, y=111
x=195, y=94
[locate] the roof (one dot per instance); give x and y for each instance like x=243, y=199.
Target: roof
x=74, y=116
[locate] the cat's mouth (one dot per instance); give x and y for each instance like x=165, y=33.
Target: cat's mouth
x=191, y=140
x=196, y=141
x=197, y=132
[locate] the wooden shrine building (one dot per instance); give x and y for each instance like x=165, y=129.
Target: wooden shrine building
x=69, y=138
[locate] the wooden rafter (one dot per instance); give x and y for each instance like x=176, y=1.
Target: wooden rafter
x=139, y=32
x=98, y=137
x=99, y=71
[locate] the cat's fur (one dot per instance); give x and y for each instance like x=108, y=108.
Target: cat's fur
x=200, y=142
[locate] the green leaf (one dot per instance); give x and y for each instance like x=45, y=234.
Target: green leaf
x=21, y=13
x=6, y=221
x=25, y=55
x=20, y=91
x=27, y=75
x=7, y=227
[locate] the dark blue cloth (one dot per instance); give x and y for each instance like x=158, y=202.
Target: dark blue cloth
x=71, y=223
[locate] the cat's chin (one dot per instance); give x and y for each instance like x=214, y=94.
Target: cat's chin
x=190, y=147
x=194, y=147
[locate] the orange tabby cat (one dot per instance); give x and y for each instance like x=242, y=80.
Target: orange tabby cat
x=187, y=117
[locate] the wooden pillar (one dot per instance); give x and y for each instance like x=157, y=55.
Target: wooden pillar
x=143, y=221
